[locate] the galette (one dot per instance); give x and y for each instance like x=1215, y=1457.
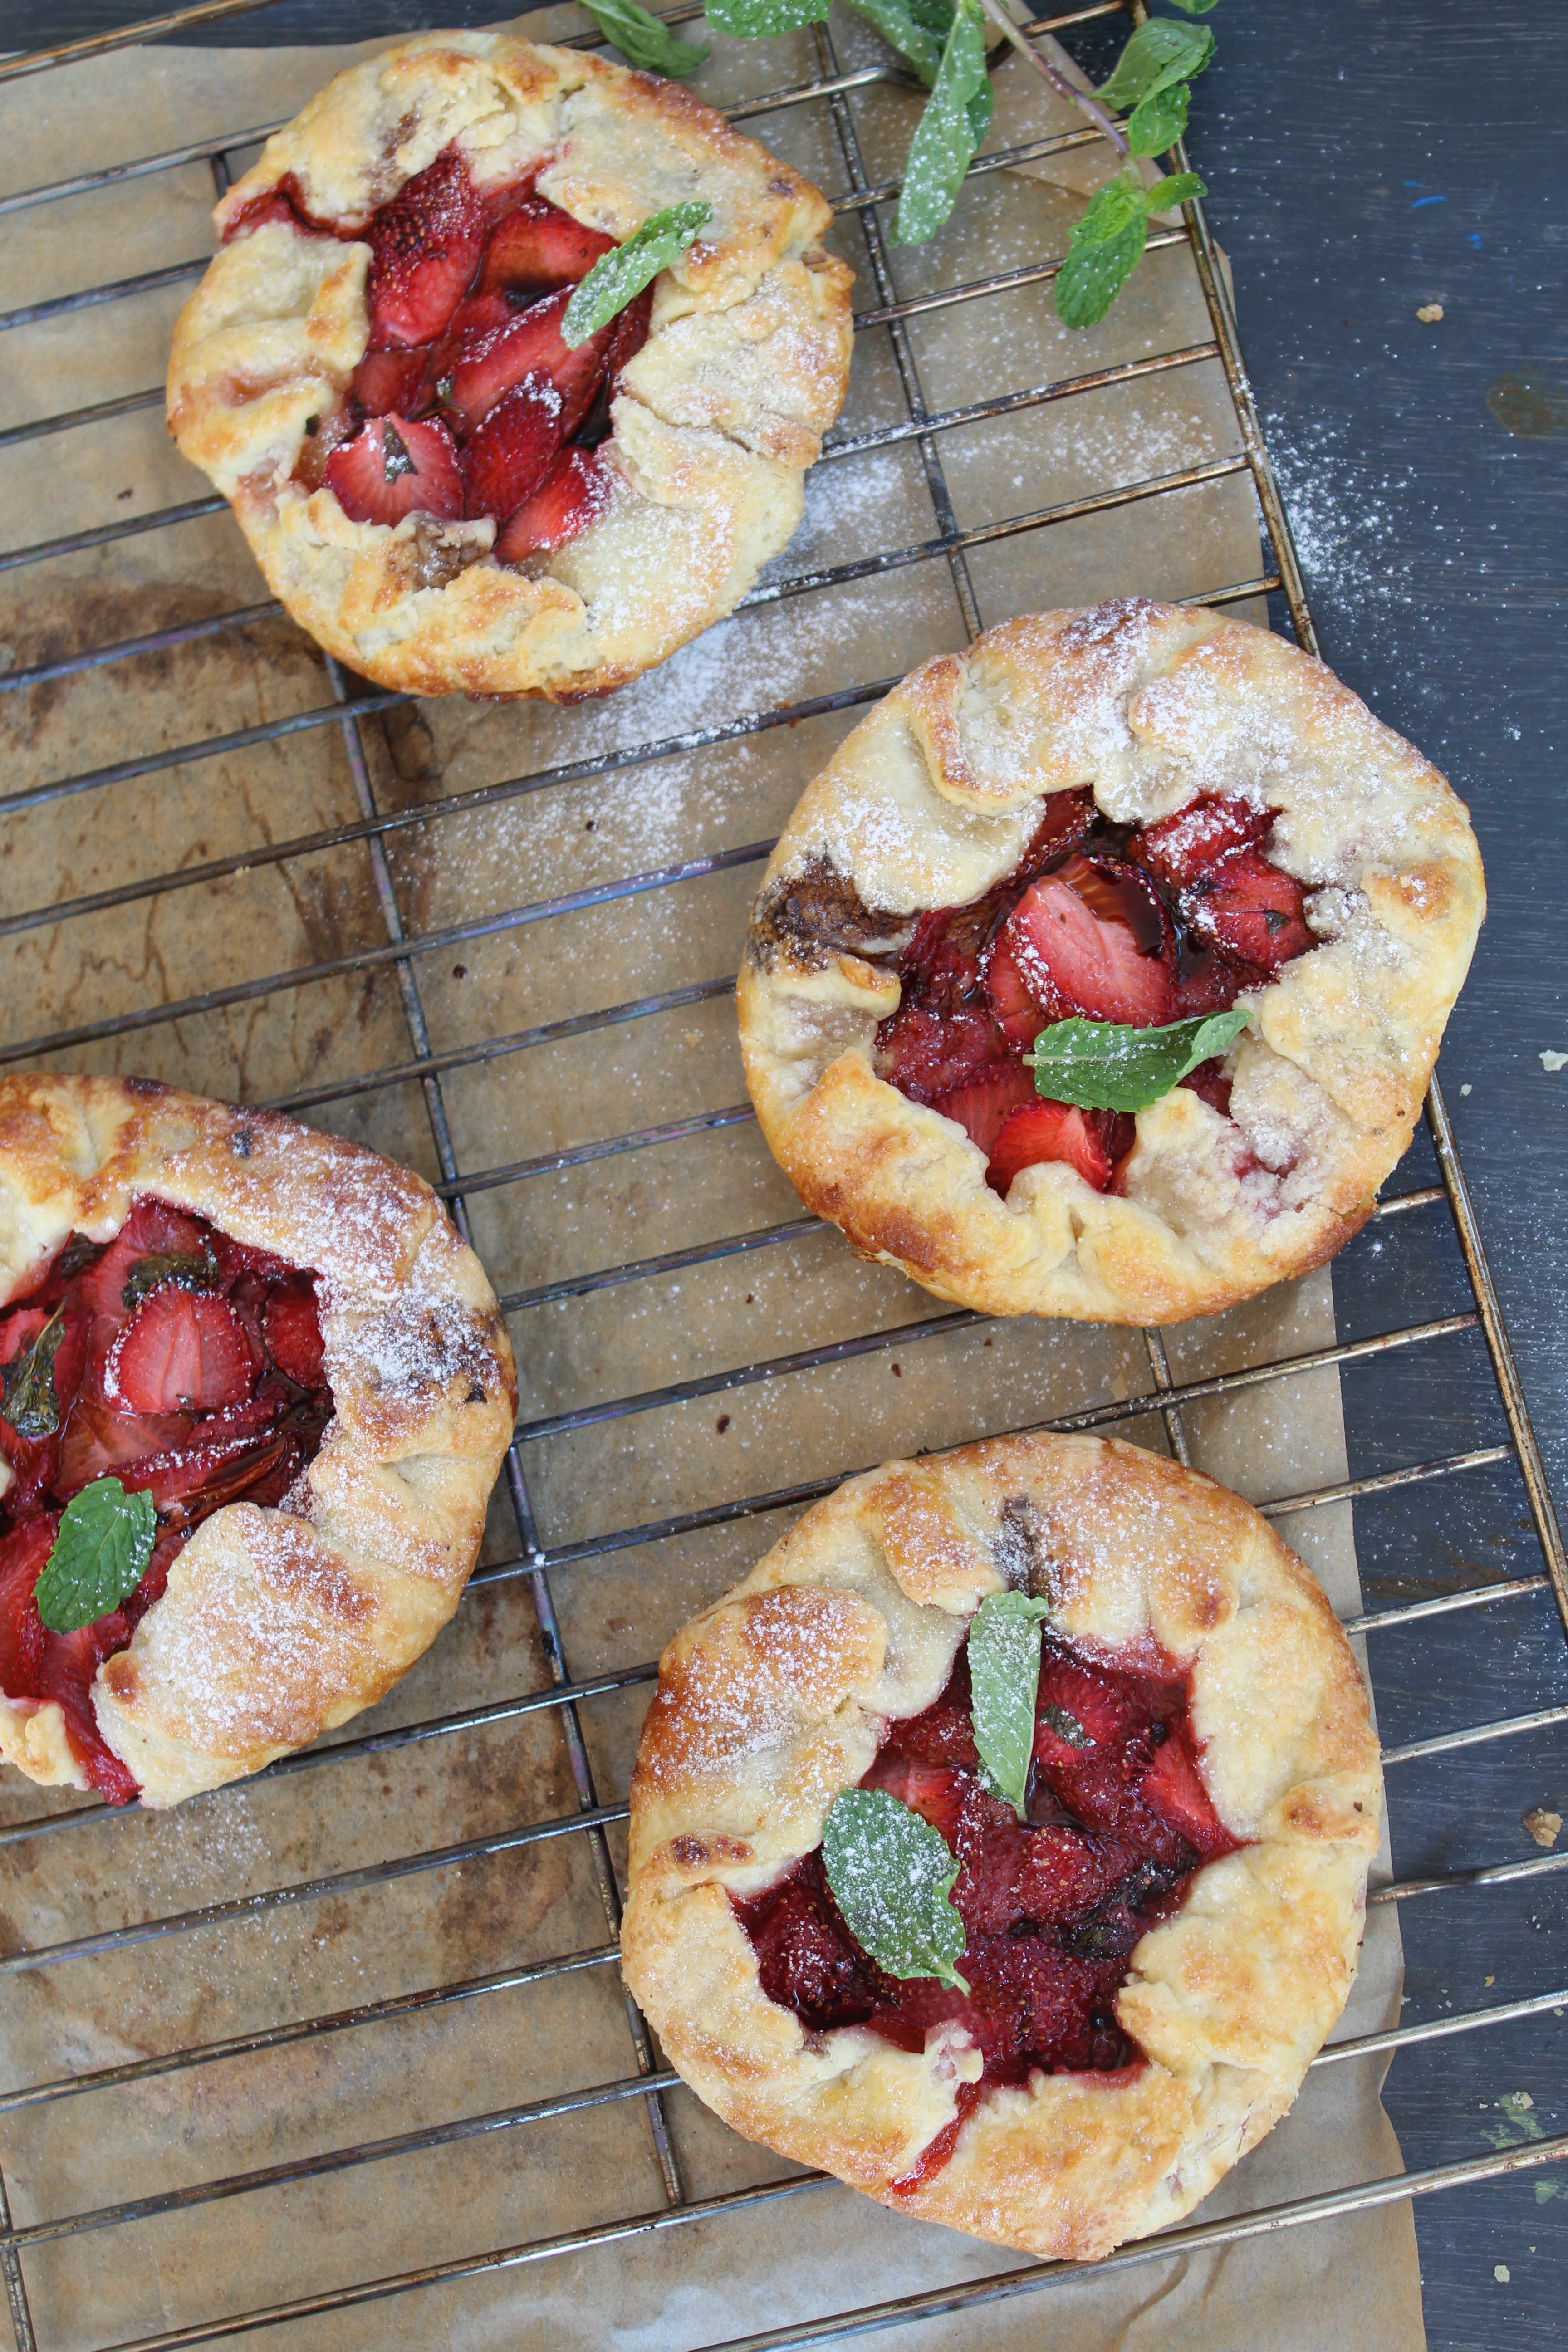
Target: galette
x=256, y=1393
x=1101, y=971
x=461, y=467
x=1000, y=1843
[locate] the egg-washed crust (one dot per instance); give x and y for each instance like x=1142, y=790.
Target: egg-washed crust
x=932, y=799
x=277, y=1625
x=777, y=1698
x=717, y=418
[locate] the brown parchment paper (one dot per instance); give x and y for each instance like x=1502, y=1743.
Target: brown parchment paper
x=513, y=2043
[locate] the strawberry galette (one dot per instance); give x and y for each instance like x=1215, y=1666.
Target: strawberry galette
x=256, y=1393
x=1101, y=971
x=1000, y=1843
x=449, y=484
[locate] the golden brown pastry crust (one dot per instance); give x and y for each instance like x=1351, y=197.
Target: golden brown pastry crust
x=715, y=420
x=932, y=799
x=777, y=1698
x=277, y=1624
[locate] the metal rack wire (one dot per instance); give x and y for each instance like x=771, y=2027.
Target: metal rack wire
x=535, y=1559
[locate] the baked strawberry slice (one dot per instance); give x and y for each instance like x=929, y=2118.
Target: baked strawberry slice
x=1180, y=847
x=514, y=448
x=1049, y=1131
x=396, y=468
x=99, y=1444
x=934, y=1791
x=1018, y=1016
x=1211, y=982
x=476, y=316
x=1065, y=1872
x=982, y=1106
x=182, y=1351
x=291, y=1333
x=1091, y=939
x=926, y=1055
x=424, y=248
x=24, y=1554
x=391, y=383
x=574, y=493
x=151, y=1230
x=1172, y=1788
x=530, y=345
x=1249, y=910
x=539, y=245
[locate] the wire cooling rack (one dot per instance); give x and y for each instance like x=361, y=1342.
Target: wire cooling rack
x=526, y=1556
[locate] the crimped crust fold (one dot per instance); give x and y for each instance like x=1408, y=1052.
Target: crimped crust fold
x=777, y=1698
x=277, y=1625
x=932, y=799
x=717, y=418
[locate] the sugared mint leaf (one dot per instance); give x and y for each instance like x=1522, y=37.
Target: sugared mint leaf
x=30, y=1404
x=100, y=1554
x=1195, y=7
x=1004, y=1677
x=891, y=1875
x=1159, y=53
x=1096, y=270
x=956, y=119
x=762, y=20
x=1100, y=1065
x=902, y=28
x=1180, y=188
x=643, y=40
x=619, y=276
x=1159, y=121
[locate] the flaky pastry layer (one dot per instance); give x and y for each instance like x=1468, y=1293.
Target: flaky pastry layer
x=931, y=800
x=717, y=418
x=777, y=1698
x=277, y=1625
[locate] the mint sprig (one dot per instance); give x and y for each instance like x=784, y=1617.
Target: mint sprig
x=1003, y=1678
x=1101, y=1066
x=891, y=1875
x=99, y=1556
x=956, y=119
x=1158, y=55
x=764, y=20
x=643, y=41
x=30, y=1402
x=619, y=277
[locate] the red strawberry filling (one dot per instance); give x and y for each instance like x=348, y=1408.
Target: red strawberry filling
x=1096, y=922
x=175, y=1359
x=468, y=402
x=1117, y=1821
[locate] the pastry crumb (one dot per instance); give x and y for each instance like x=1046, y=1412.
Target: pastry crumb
x=1501, y=2272
x=1552, y=1063
x=1429, y=313
x=1543, y=1826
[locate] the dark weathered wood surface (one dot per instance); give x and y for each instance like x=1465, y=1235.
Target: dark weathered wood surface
x=1364, y=160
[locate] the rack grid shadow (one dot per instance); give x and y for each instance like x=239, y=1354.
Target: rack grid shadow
x=382, y=1041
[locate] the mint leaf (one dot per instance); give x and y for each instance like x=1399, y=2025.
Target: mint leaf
x=149, y=1274
x=891, y=1875
x=1159, y=53
x=1195, y=7
x=902, y=28
x=643, y=40
x=100, y=1554
x=760, y=20
x=957, y=116
x=1177, y=188
x=1111, y=211
x=619, y=276
x=1096, y=270
x=1158, y=120
x=1100, y=1065
x=30, y=1404
x=1004, y=1678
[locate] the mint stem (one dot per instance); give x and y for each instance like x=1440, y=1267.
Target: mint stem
x=1105, y=123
